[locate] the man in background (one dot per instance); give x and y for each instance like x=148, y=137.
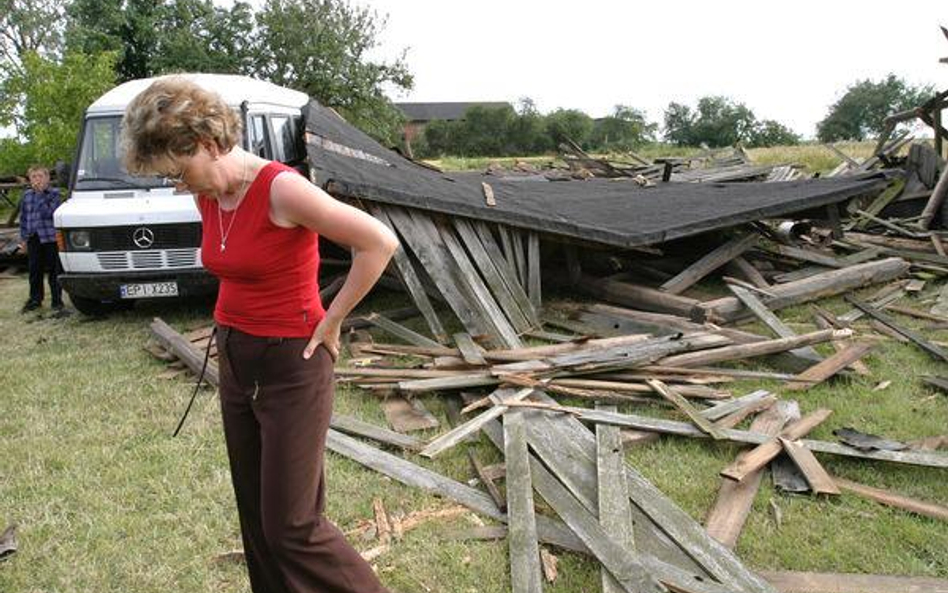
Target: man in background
x=38, y=238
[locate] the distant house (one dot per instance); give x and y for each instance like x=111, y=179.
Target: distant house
x=419, y=114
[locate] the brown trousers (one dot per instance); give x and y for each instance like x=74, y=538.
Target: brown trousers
x=276, y=408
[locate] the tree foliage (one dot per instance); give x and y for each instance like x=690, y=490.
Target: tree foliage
x=720, y=121
x=28, y=26
x=625, y=129
x=321, y=47
x=55, y=94
x=860, y=112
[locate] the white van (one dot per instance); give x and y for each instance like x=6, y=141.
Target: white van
x=123, y=238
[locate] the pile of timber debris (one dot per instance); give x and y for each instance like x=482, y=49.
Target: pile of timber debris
x=668, y=270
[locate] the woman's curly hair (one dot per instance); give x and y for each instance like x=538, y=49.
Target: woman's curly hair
x=170, y=119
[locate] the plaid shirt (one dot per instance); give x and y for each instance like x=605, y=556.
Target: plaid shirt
x=36, y=214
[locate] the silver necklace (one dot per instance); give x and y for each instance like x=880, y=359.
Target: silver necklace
x=220, y=212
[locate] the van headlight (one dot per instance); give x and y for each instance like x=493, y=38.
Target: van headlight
x=79, y=240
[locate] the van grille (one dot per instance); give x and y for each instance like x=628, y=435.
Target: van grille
x=166, y=236
x=148, y=260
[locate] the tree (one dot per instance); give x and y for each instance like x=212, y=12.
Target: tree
x=55, y=94
x=720, y=121
x=769, y=132
x=527, y=133
x=28, y=26
x=129, y=28
x=439, y=139
x=570, y=124
x=678, y=124
x=320, y=47
x=860, y=112
x=625, y=129
x=485, y=131
x=198, y=36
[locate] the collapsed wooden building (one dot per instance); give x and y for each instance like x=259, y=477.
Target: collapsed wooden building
x=480, y=252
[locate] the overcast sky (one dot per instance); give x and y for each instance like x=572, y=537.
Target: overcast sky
x=786, y=61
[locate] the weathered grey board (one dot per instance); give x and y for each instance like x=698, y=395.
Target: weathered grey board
x=767, y=316
x=470, y=352
x=400, y=331
x=733, y=504
x=714, y=558
x=493, y=276
x=410, y=278
x=406, y=472
x=506, y=270
x=923, y=458
x=615, y=511
x=710, y=262
x=484, y=299
x=354, y=426
x=533, y=269
x=524, y=552
x=683, y=580
x=458, y=434
x=426, y=249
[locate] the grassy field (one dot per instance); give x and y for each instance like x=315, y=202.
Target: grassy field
x=812, y=158
x=107, y=501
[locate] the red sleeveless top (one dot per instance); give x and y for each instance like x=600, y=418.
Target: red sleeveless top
x=269, y=283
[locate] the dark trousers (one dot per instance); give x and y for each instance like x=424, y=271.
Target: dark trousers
x=276, y=409
x=44, y=258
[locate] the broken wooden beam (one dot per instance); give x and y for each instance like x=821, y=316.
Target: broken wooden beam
x=763, y=453
x=814, y=287
x=710, y=262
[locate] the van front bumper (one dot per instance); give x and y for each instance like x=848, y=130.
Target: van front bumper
x=108, y=287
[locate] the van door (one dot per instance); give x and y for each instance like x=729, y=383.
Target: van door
x=259, y=137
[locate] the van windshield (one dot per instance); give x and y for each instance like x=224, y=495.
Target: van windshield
x=100, y=160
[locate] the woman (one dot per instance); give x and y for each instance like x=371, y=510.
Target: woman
x=276, y=343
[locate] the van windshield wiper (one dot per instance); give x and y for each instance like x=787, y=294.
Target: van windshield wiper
x=118, y=180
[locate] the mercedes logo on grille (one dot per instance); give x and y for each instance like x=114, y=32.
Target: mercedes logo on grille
x=143, y=237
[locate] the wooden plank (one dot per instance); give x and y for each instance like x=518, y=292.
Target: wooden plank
x=456, y=435
x=733, y=504
x=821, y=321
x=533, y=269
x=824, y=370
x=711, y=556
x=727, y=408
x=434, y=258
x=685, y=407
x=182, y=348
x=820, y=481
x=750, y=272
x=509, y=293
x=487, y=480
x=401, y=470
x=636, y=296
x=932, y=350
x=710, y=262
x=742, y=351
x=767, y=316
x=812, y=582
x=647, y=423
x=615, y=511
x=407, y=416
x=400, y=331
x=470, y=352
x=495, y=315
x=525, y=576
x=354, y=426
x=920, y=507
x=818, y=286
x=410, y=278
x=762, y=454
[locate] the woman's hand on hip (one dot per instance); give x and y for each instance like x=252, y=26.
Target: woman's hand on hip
x=326, y=335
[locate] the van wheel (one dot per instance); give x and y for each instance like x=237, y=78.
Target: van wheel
x=97, y=308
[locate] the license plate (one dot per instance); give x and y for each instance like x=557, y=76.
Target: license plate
x=149, y=290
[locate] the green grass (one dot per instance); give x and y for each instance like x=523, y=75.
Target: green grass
x=107, y=501
x=812, y=158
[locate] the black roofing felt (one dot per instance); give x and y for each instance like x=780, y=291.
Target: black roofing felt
x=618, y=213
